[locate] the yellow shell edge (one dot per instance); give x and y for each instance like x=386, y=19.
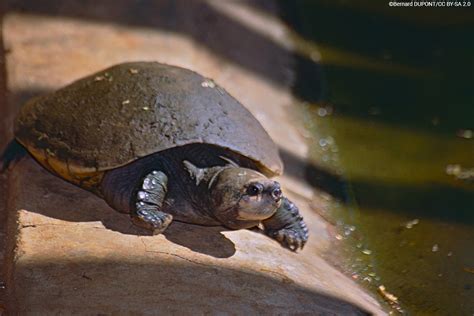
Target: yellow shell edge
x=87, y=178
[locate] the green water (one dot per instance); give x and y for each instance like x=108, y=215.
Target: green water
x=389, y=99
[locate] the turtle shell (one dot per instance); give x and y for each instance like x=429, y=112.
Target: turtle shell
x=132, y=110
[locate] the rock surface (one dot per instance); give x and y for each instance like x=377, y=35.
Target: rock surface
x=73, y=254
x=76, y=255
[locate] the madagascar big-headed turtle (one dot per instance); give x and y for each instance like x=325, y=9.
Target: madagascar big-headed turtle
x=160, y=143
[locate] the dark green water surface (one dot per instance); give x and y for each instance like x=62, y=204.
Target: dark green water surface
x=389, y=99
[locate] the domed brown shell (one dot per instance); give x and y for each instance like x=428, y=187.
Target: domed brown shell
x=132, y=110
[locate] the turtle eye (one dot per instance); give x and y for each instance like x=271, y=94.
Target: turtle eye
x=254, y=189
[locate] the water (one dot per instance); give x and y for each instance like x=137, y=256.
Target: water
x=389, y=99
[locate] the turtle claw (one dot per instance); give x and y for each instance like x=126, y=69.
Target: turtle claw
x=151, y=219
x=287, y=226
x=293, y=237
x=149, y=200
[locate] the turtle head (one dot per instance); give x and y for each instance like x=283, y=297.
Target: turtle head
x=242, y=197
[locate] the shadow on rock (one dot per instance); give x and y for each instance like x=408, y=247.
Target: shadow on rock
x=206, y=240
x=163, y=285
x=198, y=20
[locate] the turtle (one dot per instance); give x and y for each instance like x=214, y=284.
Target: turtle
x=161, y=143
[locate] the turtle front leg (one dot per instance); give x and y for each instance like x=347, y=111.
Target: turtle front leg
x=149, y=201
x=287, y=226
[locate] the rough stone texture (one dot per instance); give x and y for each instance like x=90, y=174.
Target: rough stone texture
x=75, y=255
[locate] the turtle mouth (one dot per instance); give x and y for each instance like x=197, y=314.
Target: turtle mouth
x=239, y=217
x=262, y=210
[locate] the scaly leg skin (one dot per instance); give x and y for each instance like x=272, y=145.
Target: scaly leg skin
x=148, y=202
x=287, y=226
